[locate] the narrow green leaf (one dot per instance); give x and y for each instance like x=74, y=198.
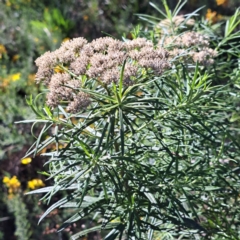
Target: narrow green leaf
x=178, y=7
x=39, y=139
x=121, y=131
x=121, y=80
x=93, y=229
x=158, y=9
x=211, y=188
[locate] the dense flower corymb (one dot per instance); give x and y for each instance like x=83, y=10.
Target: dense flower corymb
x=190, y=45
x=65, y=69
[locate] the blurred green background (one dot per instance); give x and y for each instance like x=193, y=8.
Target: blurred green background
x=28, y=28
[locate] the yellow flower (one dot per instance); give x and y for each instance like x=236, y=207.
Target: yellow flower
x=15, y=77
x=65, y=39
x=26, y=161
x=39, y=183
x=12, y=183
x=222, y=2
x=211, y=15
x=6, y=179
x=10, y=78
x=31, y=185
x=35, y=183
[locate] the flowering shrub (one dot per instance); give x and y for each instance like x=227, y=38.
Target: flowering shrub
x=149, y=150
x=30, y=28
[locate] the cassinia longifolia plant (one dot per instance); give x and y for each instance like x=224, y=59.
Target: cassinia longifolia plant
x=149, y=148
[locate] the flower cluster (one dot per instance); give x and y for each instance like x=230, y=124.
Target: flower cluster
x=170, y=26
x=187, y=39
x=213, y=16
x=190, y=46
x=65, y=69
x=12, y=184
x=35, y=183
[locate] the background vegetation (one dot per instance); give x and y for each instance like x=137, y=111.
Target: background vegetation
x=27, y=30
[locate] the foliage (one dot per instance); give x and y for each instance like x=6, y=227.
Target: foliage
x=17, y=206
x=158, y=157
